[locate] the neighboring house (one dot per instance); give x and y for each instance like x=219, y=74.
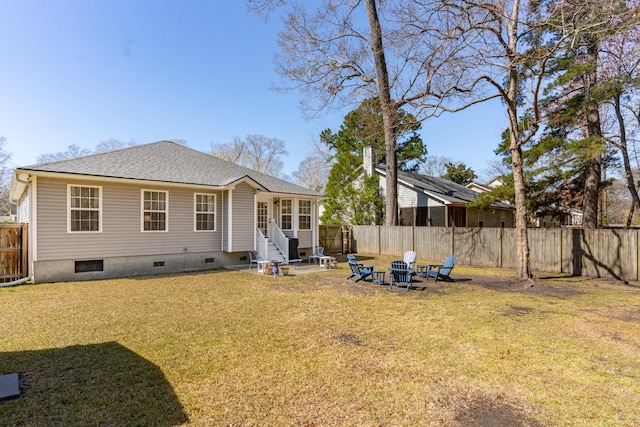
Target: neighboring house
x=430, y=201
x=564, y=216
x=13, y=214
x=157, y=208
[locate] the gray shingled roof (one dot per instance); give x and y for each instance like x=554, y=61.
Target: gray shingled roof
x=442, y=189
x=167, y=162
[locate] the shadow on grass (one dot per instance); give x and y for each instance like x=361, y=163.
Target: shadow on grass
x=96, y=384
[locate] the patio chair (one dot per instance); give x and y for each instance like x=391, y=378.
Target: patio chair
x=401, y=275
x=258, y=261
x=410, y=259
x=442, y=271
x=318, y=252
x=358, y=271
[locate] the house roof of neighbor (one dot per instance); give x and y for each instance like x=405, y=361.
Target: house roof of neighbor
x=440, y=189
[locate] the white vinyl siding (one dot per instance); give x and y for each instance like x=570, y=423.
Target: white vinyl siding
x=84, y=209
x=243, y=218
x=204, y=212
x=155, y=210
x=24, y=207
x=305, y=239
x=121, y=235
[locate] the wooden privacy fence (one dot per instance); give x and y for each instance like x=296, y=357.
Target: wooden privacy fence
x=13, y=252
x=594, y=253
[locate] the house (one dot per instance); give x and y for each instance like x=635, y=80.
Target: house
x=157, y=208
x=430, y=201
x=562, y=215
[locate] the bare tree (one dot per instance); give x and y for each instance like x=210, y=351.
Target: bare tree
x=510, y=45
x=113, y=144
x=346, y=51
x=434, y=165
x=314, y=169
x=5, y=177
x=255, y=152
x=620, y=74
x=72, y=151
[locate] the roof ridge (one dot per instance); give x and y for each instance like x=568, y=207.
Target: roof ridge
x=86, y=156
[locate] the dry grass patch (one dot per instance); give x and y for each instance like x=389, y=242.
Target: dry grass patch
x=233, y=348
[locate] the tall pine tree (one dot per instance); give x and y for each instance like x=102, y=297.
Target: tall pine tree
x=352, y=197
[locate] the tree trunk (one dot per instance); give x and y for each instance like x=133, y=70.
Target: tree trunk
x=628, y=174
x=593, y=173
x=389, y=114
x=523, y=264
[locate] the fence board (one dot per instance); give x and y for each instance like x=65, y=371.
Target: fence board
x=608, y=253
x=395, y=240
x=431, y=242
x=597, y=253
x=477, y=246
x=13, y=252
x=545, y=249
x=366, y=239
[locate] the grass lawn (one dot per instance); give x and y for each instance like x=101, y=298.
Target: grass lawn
x=233, y=348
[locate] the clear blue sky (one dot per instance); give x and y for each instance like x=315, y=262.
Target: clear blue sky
x=80, y=72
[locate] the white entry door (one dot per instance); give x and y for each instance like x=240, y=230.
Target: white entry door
x=263, y=216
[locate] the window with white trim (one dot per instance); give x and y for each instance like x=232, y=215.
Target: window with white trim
x=85, y=208
x=154, y=210
x=205, y=212
x=304, y=215
x=286, y=214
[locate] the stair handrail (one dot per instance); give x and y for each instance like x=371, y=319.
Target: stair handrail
x=262, y=245
x=278, y=237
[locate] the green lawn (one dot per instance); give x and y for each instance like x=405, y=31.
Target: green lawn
x=233, y=348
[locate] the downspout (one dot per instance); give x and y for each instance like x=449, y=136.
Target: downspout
x=222, y=225
x=16, y=282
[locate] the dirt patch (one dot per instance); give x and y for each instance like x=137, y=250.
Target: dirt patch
x=483, y=411
x=625, y=314
x=482, y=406
x=508, y=284
x=349, y=339
x=518, y=311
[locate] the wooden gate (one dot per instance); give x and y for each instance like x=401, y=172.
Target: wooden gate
x=13, y=252
x=335, y=239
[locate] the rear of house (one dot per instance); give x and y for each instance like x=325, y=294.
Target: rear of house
x=155, y=208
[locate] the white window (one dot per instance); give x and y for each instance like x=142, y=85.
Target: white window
x=85, y=209
x=155, y=206
x=304, y=214
x=286, y=214
x=205, y=212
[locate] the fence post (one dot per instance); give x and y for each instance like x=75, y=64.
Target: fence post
x=413, y=237
x=24, y=250
x=500, y=246
x=453, y=239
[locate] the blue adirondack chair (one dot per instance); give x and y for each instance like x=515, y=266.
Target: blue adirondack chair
x=442, y=271
x=401, y=275
x=358, y=271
